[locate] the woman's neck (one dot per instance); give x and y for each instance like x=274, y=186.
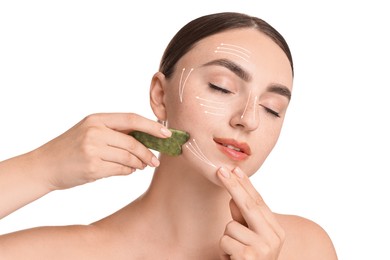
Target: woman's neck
x=187, y=207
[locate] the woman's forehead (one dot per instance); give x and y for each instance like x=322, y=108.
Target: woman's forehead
x=245, y=44
x=247, y=47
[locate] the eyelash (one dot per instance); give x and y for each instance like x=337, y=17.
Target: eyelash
x=270, y=111
x=225, y=91
x=222, y=90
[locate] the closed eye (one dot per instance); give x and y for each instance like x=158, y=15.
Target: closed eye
x=216, y=88
x=270, y=111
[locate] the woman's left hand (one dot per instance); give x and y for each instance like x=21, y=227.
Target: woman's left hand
x=254, y=232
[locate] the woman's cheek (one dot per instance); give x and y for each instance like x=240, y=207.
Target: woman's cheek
x=193, y=116
x=184, y=115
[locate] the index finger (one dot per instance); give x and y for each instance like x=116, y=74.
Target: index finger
x=267, y=213
x=127, y=122
x=250, y=203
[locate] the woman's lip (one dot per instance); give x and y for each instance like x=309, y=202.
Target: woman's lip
x=232, y=153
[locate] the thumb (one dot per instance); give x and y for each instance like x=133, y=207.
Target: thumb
x=236, y=214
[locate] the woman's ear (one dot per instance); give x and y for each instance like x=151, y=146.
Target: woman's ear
x=157, y=96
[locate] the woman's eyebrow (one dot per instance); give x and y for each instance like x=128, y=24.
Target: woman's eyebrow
x=232, y=66
x=280, y=89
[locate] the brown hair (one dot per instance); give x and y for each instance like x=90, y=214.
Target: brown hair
x=211, y=24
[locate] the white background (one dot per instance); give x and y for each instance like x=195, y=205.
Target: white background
x=62, y=60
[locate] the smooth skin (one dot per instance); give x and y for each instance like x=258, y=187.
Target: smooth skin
x=192, y=210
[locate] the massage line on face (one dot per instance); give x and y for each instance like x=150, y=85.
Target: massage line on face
x=210, y=107
x=247, y=105
x=233, y=50
x=193, y=147
x=222, y=48
x=218, y=108
x=182, y=83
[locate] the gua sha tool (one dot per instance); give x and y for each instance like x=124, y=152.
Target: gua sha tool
x=170, y=146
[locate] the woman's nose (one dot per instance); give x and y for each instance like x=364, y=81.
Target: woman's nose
x=247, y=116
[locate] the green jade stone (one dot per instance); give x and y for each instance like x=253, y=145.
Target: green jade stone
x=170, y=146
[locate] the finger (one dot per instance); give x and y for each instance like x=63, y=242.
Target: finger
x=248, y=207
x=248, y=237
x=99, y=169
x=127, y=122
x=240, y=233
x=121, y=156
x=230, y=246
x=268, y=214
x=108, y=169
x=248, y=186
x=236, y=214
x=132, y=146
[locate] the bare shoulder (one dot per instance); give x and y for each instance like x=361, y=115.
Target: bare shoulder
x=305, y=239
x=61, y=242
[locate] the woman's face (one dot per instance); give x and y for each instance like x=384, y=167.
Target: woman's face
x=230, y=92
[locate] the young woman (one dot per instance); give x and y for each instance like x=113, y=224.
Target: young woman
x=226, y=79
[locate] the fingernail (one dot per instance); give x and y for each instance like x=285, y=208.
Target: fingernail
x=238, y=172
x=155, y=162
x=165, y=132
x=225, y=173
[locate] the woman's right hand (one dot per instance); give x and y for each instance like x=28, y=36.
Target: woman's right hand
x=97, y=147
